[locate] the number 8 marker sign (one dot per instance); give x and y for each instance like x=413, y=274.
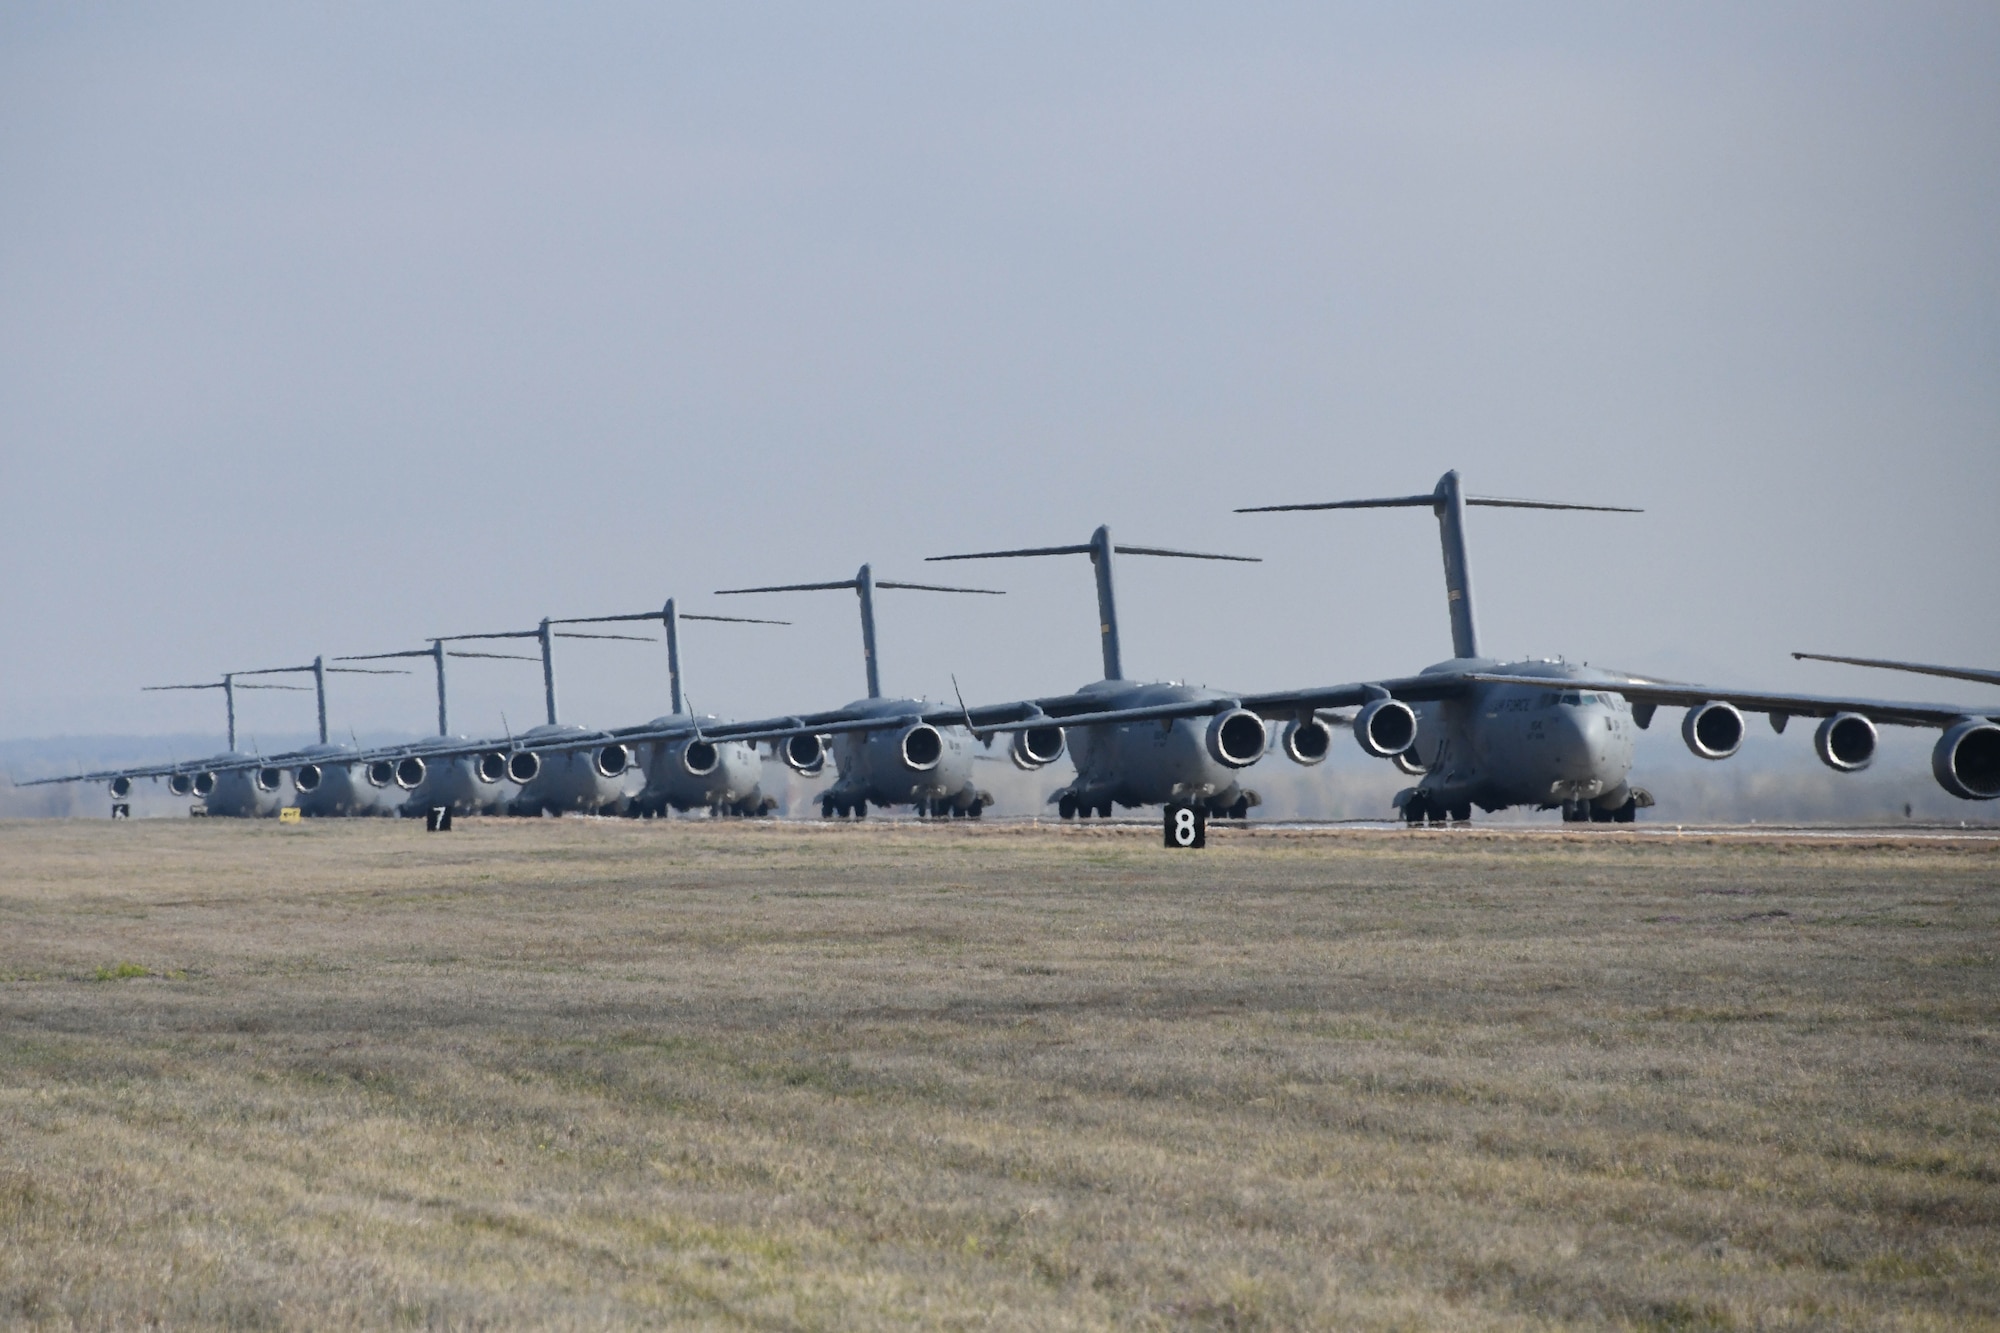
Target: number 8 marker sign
x=1186, y=827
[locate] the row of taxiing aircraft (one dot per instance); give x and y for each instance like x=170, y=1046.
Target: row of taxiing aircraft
x=1471, y=731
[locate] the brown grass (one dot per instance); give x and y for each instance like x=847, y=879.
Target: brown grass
x=592, y=1073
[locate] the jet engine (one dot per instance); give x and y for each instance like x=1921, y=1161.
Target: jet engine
x=1845, y=742
x=1037, y=747
x=1713, y=730
x=1307, y=742
x=1406, y=761
x=269, y=779
x=523, y=766
x=611, y=760
x=204, y=784
x=1386, y=728
x=410, y=772
x=699, y=758
x=1236, y=738
x=804, y=754
x=921, y=746
x=180, y=784
x=380, y=773
x=489, y=767
x=1966, y=761
x=306, y=777
x=121, y=786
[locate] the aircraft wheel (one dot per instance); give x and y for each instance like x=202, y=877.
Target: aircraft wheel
x=1601, y=816
x=1241, y=810
x=975, y=810
x=1415, y=810
x=826, y=809
x=1066, y=806
x=1104, y=811
x=861, y=808
x=1461, y=814
x=1626, y=813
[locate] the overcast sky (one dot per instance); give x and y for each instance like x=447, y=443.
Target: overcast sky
x=326, y=328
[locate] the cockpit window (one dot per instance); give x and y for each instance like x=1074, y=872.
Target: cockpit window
x=1571, y=697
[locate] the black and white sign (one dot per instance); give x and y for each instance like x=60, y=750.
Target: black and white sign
x=1186, y=826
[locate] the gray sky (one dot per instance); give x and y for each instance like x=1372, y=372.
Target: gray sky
x=327, y=328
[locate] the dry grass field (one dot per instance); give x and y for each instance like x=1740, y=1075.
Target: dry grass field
x=587, y=1074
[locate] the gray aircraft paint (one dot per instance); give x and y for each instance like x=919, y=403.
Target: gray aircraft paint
x=596, y=781
x=234, y=785
x=893, y=765
x=465, y=784
x=1494, y=745
x=1136, y=763
x=328, y=780
x=694, y=772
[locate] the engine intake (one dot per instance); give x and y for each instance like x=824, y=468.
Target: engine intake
x=121, y=786
x=921, y=746
x=180, y=784
x=380, y=773
x=490, y=767
x=611, y=760
x=524, y=766
x=1236, y=738
x=699, y=758
x=1308, y=742
x=307, y=777
x=204, y=784
x=410, y=772
x=270, y=779
x=1037, y=747
x=1713, y=730
x=804, y=754
x=1966, y=761
x=1845, y=742
x=1385, y=728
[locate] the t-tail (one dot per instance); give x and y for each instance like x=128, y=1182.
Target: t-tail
x=864, y=583
x=1448, y=502
x=671, y=619
x=1100, y=548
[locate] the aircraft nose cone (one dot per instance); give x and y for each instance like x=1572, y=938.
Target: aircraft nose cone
x=1578, y=742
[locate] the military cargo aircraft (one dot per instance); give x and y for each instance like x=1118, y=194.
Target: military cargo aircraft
x=692, y=771
x=331, y=780
x=465, y=784
x=886, y=751
x=556, y=776
x=1181, y=761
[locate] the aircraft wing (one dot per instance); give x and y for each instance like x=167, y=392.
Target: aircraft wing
x=1086, y=710
x=1777, y=704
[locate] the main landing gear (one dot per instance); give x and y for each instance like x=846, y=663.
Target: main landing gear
x=1070, y=808
x=1589, y=812
x=828, y=808
x=1423, y=809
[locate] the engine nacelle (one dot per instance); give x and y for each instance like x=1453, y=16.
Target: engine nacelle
x=306, y=777
x=1845, y=742
x=1037, y=747
x=121, y=786
x=524, y=766
x=180, y=784
x=699, y=758
x=1236, y=739
x=1308, y=742
x=204, y=784
x=380, y=773
x=922, y=747
x=804, y=754
x=1713, y=730
x=611, y=760
x=410, y=772
x=489, y=767
x=270, y=779
x=1966, y=761
x=1406, y=762
x=1385, y=728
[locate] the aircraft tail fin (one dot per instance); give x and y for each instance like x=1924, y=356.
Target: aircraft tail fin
x=1448, y=503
